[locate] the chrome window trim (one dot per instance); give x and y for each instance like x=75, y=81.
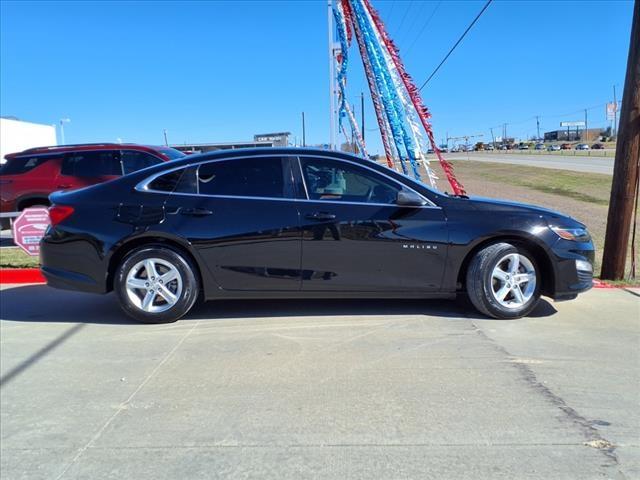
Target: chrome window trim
x=143, y=186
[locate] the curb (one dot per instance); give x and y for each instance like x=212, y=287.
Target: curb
x=21, y=275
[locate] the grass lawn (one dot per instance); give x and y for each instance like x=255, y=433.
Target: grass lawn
x=584, y=196
x=13, y=257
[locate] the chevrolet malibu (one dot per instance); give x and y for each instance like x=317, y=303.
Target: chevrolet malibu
x=304, y=223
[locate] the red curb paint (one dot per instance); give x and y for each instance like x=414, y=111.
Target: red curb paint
x=21, y=275
x=601, y=284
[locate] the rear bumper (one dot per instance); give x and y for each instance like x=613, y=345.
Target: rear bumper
x=67, y=280
x=72, y=264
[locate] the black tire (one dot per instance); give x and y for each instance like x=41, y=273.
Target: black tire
x=479, y=282
x=189, y=277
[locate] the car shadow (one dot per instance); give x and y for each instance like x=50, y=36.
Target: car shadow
x=39, y=303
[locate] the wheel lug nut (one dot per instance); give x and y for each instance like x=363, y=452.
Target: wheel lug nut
x=146, y=284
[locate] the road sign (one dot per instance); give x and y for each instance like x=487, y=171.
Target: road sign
x=29, y=228
x=572, y=124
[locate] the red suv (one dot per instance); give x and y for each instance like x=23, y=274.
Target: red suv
x=28, y=177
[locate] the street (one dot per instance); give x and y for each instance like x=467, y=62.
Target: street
x=578, y=163
x=319, y=389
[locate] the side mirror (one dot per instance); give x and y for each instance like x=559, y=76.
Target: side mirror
x=407, y=198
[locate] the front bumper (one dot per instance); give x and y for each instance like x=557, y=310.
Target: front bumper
x=571, y=276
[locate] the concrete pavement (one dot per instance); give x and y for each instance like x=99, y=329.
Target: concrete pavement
x=319, y=389
x=576, y=163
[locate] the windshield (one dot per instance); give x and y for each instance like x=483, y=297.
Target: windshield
x=172, y=153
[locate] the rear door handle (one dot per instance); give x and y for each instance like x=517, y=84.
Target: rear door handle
x=196, y=212
x=320, y=216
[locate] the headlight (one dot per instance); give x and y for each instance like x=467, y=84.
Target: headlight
x=573, y=234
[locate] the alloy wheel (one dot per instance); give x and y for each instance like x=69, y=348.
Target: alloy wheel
x=154, y=285
x=513, y=281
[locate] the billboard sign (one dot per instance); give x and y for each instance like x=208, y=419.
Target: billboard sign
x=612, y=108
x=572, y=124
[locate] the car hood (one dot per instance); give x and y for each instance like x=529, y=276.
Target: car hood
x=504, y=206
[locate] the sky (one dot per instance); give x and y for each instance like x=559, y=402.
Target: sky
x=224, y=71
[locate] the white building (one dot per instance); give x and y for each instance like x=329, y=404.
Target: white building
x=16, y=135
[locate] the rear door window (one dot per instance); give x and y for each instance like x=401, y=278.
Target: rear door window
x=244, y=177
x=92, y=164
x=133, y=160
x=20, y=165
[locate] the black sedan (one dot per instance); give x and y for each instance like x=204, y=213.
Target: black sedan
x=291, y=223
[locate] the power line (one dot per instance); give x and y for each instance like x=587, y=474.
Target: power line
x=404, y=17
x=393, y=4
x=415, y=17
x=423, y=27
x=486, y=5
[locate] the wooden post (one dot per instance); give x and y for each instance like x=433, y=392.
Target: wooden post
x=627, y=164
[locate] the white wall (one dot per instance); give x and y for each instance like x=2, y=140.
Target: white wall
x=16, y=136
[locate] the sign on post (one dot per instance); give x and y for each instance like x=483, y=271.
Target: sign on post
x=572, y=124
x=29, y=228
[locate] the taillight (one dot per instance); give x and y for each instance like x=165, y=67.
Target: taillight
x=57, y=213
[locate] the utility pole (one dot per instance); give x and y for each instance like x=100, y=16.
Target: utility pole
x=586, y=127
x=615, y=113
x=538, y=127
x=166, y=142
x=62, y=122
x=304, y=132
x=332, y=91
x=362, y=114
x=493, y=138
x=627, y=164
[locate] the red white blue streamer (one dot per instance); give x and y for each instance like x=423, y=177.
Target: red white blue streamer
x=397, y=102
x=343, y=108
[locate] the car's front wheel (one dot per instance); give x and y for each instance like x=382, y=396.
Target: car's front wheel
x=156, y=284
x=503, y=281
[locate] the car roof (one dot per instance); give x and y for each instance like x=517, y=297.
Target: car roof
x=253, y=151
x=85, y=146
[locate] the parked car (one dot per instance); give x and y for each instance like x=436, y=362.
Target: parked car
x=30, y=176
x=553, y=148
x=597, y=146
x=582, y=146
x=539, y=146
x=523, y=146
x=489, y=146
x=303, y=223
x=504, y=147
x=565, y=146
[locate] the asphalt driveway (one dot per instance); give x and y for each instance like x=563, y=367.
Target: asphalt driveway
x=319, y=389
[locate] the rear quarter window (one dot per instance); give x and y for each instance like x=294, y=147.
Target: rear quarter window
x=178, y=181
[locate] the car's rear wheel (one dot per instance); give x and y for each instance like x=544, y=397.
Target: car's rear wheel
x=503, y=281
x=156, y=284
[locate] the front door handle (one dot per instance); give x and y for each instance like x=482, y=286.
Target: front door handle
x=196, y=212
x=320, y=216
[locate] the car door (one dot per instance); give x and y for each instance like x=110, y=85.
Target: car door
x=355, y=236
x=84, y=168
x=240, y=215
